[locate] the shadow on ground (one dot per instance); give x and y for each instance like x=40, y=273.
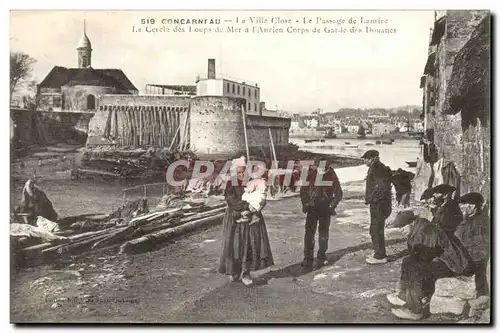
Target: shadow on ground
x=296, y=270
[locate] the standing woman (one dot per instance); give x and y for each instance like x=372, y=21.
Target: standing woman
x=246, y=246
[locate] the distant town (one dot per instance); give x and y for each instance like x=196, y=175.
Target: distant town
x=405, y=119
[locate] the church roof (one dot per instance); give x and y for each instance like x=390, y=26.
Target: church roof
x=60, y=76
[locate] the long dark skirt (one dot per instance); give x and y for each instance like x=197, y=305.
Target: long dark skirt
x=245, y=247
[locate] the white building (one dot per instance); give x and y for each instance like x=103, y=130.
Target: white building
x=352, y=128
x=213, y=85
x=311, y=123
x=418, y=126
x=294, y=126
x=270, y=113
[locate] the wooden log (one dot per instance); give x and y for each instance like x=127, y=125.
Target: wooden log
x=140, y=220
x=183, y=133
x=97, y=172
x=173, y=140
x=117, y=237
x=126, y=127
x=36, y=250
x=172, y=222
x=169, y=125
x=161, y=120
x=72, y=247
x=164, y=235
x=107, y=126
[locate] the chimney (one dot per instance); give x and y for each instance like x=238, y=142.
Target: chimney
x=211, y=69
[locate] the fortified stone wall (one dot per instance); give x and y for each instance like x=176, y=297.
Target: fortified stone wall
x=57, y=126
x=76, y=97
x=140, y=100
x=141, y=118
x=448, y=128
x=217, y=125
x=476, y=159
x=258, y=131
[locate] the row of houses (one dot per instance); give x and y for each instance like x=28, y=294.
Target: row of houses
x=346, y=126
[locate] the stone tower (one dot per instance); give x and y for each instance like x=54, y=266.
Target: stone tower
x=84, y=49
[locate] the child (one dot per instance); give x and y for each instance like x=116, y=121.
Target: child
x=255, y=195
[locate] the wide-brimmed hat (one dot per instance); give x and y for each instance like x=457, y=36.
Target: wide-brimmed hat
x=426, y=195
x=443, y=189
x=473, y=198
x=370, y=154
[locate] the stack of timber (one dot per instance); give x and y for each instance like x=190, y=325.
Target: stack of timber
x=143, y=163
x=132, y=228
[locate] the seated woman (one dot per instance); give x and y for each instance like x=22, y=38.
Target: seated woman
x=434, y=252
x=36, y=203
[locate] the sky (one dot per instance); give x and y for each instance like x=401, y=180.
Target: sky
x=296, y=72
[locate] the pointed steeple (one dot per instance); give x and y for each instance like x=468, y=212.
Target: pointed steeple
x=84, y=49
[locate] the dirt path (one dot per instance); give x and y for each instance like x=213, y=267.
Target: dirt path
x=179, y=282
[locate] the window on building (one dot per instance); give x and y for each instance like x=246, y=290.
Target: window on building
x=90, y=102
x=249, y=106
x=249, y=91
x=238, y=90
x=233, y=88
x=256, y=94
x=56, y=101
x=228, y=87
x=243, y=91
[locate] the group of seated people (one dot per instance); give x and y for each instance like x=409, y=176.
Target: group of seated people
x=454, y=242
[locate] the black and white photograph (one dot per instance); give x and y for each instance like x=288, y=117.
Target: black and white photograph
x=250, y=166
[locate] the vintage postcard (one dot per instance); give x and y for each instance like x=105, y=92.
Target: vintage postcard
x=221, y=166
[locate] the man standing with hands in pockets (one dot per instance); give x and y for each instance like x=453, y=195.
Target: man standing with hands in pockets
x=319, y=200
x=379, y=197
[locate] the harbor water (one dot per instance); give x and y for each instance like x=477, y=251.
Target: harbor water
x=394, y=155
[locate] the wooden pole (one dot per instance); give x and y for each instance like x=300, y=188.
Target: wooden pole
x=175, y=137
x=140, y=126
x=245, y=131
x=272, y=146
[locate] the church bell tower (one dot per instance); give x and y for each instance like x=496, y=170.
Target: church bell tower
x=84, y=49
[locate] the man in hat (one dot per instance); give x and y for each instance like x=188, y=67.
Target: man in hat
x=319, y=203
x=379, y=197
x=402, y=183
x=435, y=253
x=474, y=233
x=447, y=212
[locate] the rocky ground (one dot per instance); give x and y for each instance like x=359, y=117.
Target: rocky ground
x=179, y=281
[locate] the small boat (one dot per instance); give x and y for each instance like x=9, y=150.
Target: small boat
x=378, y=142
x=411, y=164
x=369, y=144
x=311, y=140
x=322, y=140
x=387, y=142
x=392, y=140
x=62, y=149
x=347, y=143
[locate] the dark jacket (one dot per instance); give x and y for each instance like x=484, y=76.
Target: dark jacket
x=378, y=184
x=449, y=216
x=474, y=233
x=322, y=198
x=402, y=181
